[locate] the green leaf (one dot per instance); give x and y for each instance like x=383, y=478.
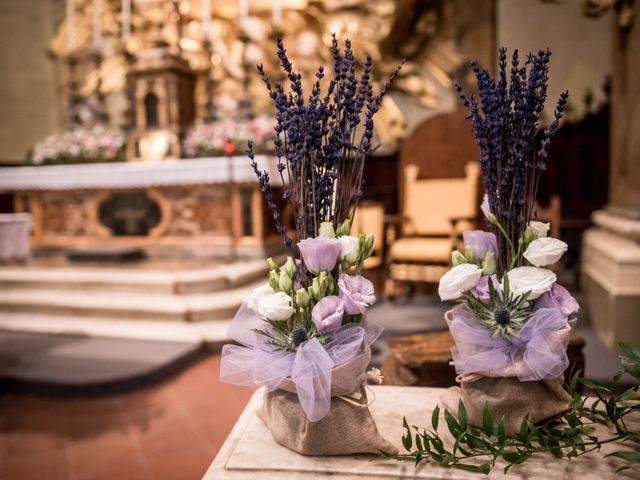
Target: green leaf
x=629, y=352
x=500, y=432
x=452, y=423
x=435, y=418
x=626, y=455
x=487, y=421
x=512, y=457
x=418, y=442
x=593, y=385
x=631, y=394
x=462, y=416
x=486, y=468
x=407, y=442
x=631, y=369
x=468, y=468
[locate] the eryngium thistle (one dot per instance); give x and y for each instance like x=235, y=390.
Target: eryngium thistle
x=298, y=336
x=513, y=151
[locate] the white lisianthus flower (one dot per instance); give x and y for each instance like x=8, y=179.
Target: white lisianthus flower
x=545, y=251
x=459, y=279
x=530, y=279
x=277, y=306
x=257, y=294
x=350, y=248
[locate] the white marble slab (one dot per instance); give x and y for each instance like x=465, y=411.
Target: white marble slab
x=250, y=453
x=194, y=171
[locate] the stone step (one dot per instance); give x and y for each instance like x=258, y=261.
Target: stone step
x=211, y=333
x=192, y=307
x=132, y=279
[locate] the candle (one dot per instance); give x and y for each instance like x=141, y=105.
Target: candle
x=243, y=10
x=126, y=20
x=276, y=17
x=71, y=24
x=97, y=24
x=206, y=17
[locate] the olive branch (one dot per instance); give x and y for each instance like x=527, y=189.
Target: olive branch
x=573, y=435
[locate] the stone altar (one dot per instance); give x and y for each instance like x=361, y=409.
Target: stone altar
x=250, y=453
x=213, y=205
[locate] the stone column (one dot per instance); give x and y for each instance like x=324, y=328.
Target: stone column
x=611, y=250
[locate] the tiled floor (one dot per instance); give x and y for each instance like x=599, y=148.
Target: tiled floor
x=170, y=431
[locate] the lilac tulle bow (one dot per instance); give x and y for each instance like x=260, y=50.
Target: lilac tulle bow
x=537, y=353
x=255, y=363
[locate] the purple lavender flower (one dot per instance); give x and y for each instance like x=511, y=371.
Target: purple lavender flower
x=321, y=154
x=357, y=293
x=480, y=242
x=512, y=154
x=327, y=314
x=320, y=253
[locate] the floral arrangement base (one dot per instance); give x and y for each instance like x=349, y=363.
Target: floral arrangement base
x=510, y=398
x=502, y=390
x=347, y=429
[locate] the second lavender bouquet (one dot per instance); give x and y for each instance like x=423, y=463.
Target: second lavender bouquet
x=513, y=322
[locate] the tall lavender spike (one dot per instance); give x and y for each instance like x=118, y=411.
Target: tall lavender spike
x=505, y=124
x=321, y=154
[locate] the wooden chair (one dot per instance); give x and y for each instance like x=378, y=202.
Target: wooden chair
x=369, y=219
x=435, y=212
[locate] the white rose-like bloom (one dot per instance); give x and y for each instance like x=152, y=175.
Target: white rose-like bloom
x=277, y=306
x=530, y=279
x=350, y=248
x=540, y=229
x=545, y=251
x=457, y=280
x=257, y=294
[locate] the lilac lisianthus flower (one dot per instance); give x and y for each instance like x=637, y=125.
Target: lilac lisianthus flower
x=357, y=293
x=480, y=242
x=560, y=299
x=320, y=253
x=327, y=314
x=481, y=290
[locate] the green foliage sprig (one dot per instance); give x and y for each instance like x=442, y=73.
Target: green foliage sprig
x=479, y=449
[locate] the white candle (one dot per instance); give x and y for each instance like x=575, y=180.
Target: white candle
x=71, y=24
x=126, y=20
x=243, y=10
x=276, y=17
x=97, y=24
x=206, y=17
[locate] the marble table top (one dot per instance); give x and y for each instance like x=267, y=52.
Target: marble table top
x=114, y=175
x=250, y=452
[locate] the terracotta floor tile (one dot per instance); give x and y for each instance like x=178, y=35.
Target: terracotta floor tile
x=169, y=431
x=35, y=465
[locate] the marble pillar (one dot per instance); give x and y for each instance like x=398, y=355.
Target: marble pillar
x=611, y=249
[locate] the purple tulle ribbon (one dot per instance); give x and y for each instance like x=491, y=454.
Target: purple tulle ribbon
x=537, y=353
x=255, y=363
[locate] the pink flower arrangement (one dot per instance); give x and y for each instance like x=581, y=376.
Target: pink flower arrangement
x=100, y=143
x=210, y=139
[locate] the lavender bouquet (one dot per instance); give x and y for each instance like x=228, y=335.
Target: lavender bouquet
x=513, y=322
x=302, y=335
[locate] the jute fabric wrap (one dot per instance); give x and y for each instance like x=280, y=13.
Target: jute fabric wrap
x=347, y=429
x=507, y=396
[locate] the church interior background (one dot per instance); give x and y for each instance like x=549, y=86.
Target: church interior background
x=132, y=226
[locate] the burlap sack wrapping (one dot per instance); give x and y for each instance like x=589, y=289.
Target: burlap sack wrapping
x=507, y=396
x=347, y=429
